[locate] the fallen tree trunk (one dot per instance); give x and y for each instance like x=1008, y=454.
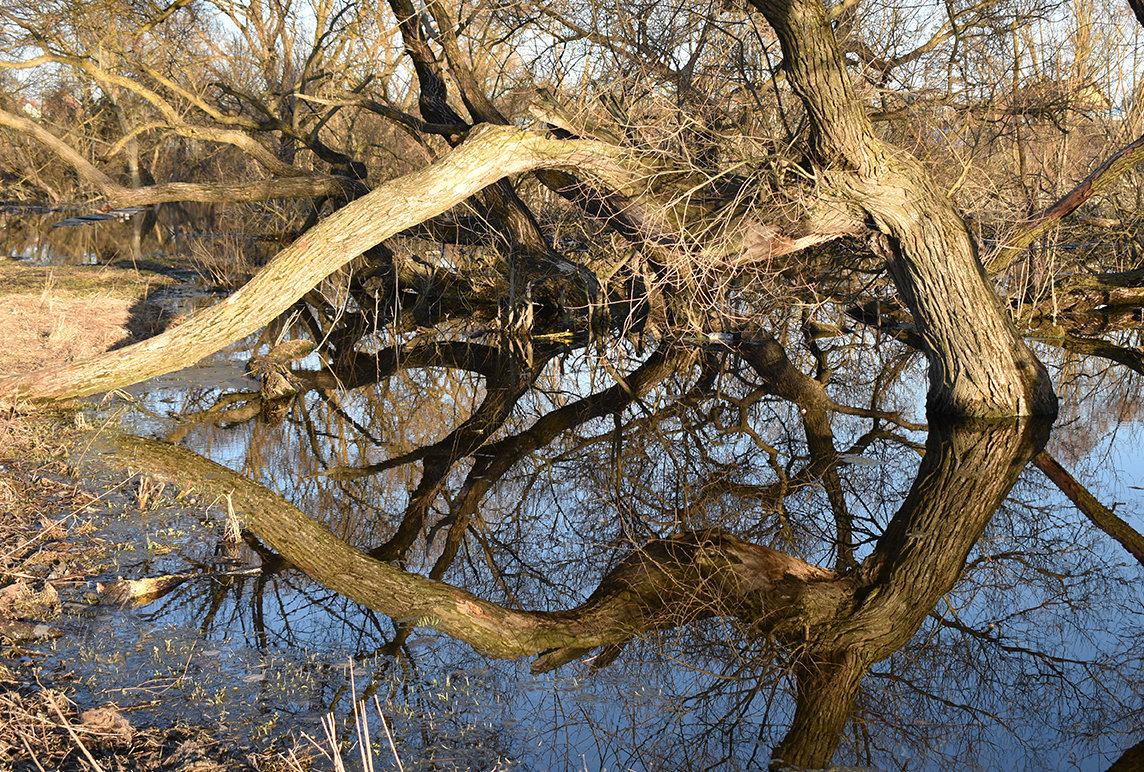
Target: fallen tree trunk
x=1091, y=291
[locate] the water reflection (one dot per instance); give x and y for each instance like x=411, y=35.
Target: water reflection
x=799, y=571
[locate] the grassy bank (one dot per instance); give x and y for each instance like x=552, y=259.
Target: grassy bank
x=48, y=550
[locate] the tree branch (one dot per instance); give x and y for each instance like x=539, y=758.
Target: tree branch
x=1101, y=516
x=486, y=157
x=1124, y=160
x=120, y=195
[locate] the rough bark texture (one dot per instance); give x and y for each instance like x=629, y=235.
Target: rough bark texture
x=826, y=693
x=979, y=366
x=489, y=154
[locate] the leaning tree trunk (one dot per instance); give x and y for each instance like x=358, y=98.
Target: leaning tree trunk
x=967, y=471
x=489, y=154
x=979, y=365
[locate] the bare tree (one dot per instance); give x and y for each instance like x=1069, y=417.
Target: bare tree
x=290, y=96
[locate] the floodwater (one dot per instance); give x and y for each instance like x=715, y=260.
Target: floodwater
x=519, y=471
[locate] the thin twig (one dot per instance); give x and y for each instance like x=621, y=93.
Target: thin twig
x=332, y=740
x=388, y=736
x=75, y=737
x=28, y=748
x=361, y=724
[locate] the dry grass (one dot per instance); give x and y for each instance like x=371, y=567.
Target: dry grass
x=52, y=316
x=45, y=542
x=41, y=730
x=19, y=278
x=40, y=333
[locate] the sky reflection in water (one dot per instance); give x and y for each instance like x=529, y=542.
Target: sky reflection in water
x=1032, y=661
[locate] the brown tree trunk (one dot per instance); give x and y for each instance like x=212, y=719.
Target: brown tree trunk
x=489, y=154
x=979, y=365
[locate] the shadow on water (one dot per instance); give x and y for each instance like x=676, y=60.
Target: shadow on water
x=704, y=559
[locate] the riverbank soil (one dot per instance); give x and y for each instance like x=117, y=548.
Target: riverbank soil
x=48, y=550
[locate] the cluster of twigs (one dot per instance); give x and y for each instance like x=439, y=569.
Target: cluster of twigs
x=44, y=730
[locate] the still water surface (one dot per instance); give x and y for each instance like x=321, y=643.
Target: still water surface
x=1033, y=661
x=519, y=471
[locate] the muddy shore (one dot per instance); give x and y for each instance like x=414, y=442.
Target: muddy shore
x=52, y=495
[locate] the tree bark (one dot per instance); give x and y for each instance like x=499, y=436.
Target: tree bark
x=489, y=154
x=979, y=365
x=826, y=694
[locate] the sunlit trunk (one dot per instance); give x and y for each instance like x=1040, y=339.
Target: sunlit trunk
x=979, y=365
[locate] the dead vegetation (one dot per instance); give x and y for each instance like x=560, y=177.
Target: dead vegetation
x=47, y=550
x=54, y=315
x=42, y=729
x=47, y=554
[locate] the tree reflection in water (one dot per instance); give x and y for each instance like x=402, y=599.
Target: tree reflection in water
x=705, y=516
